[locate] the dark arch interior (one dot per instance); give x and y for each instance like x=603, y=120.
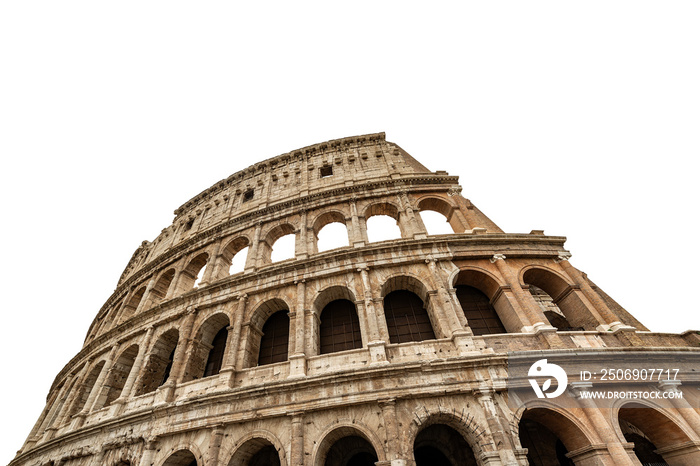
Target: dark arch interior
x=216, y=354
x=274, y=343
x=644, y=449
x=406, y=317
x=340, y=327
x=267, y=456
x=480, y=314
x=544, y=448
x=352, y=450
x=181, y=458
x=441, y=445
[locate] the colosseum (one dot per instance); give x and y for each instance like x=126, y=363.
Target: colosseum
x=403, y=351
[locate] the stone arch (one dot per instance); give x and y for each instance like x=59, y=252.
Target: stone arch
x=441, y=206
x=59, y=414
x=408, y=311
x=132, y=304
x=551, y=433
x=161, y=287
x=405, y=281
x=489, y=309
x=79, y=403
x=193, y=270
x=183, y=456
x=323, y=298
x=251, y=444
x=322, y=221
x=383, y=208
x=345, y=430
x=275, y=233
x=118, y=374
x=465, y=425
x=229, y=251
x=441, y=445
x=641, y=422
x=573, y=306
x=261, y=315
x=209, y=347
x=160, y=361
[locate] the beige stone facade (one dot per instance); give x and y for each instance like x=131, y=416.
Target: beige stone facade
x=391, y=352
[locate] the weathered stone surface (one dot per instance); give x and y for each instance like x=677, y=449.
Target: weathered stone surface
x=149, y=389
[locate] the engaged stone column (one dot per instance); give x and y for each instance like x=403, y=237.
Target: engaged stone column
x=217, y=436
x=601, y=428
x=359, y=231
x=297, y=450
x=681, y=404
x=394, y=453
x=231, y=364
x=301, y=250
x=212, y=268
x=498, y=431
x=376, y=345
x=297, y=360
x=93, y=399
x=128, y=391
x=149, y=450
x=146, y=300
x=251, y=260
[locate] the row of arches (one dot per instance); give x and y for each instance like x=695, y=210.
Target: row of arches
x=341, y=324
x=554, y=436
x=476, y=291
x=435, y=445
x=329, y=230
x=551, y=437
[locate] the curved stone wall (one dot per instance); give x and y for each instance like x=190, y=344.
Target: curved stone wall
x=385, y=351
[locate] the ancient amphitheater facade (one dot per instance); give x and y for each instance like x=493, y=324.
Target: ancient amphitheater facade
x=392, y=352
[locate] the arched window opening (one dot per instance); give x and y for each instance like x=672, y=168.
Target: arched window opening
x=481, y=316
x=85, y=389
x=340, y=327
x=238, y=261
x=216, y=354
x=181, y=458
x=256, y=452
x=119, y=373
x=544, y=448
x=553, y=293
x=283, y=248
x=551, y=311
x=406, y=317
x=549, y=436
x=382, y=228
x=200, y=275
x=333, y=235
x=352, y=450
x=274, y=343
x=193, y=273
x=132, y=304
x=651, y=430
x=441, y=445
x=267, y=456
x=160, y=362
x=160, y=289
x=436, y=223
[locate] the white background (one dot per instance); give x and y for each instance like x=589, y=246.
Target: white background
x=579, y=119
